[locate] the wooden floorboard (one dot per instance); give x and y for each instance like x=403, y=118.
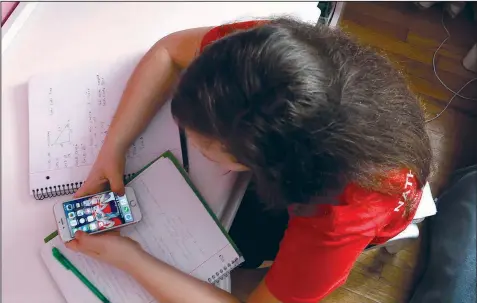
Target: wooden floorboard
x=452, y=132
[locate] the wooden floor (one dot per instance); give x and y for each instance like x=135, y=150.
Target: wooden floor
x=409, y=37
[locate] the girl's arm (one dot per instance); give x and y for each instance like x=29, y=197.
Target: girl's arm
x=167, y=284
x=150, y=84
x=146, y=91
x=163, y=282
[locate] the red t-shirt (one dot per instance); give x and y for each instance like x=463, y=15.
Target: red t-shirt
x=317, y=252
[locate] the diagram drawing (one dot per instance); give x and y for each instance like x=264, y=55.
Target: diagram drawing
x=64, y=136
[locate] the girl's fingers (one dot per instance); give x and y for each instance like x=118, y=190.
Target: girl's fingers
x=117, y=184
x=114, y=232
x=90, y=187
x=73, y=245
x=87, y=242
x=84, y=242
x=83, y=190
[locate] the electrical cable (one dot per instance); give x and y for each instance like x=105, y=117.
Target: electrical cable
x=442, y=82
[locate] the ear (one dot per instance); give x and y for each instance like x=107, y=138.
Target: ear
x=238, y=167
x=232, y=158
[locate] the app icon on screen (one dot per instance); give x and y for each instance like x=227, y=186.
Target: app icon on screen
x=69, y=207
x=128, y=218
x=100, y=224
x=90, y=218
x=79, y=213
x=125, y=209
x=87, y=202
x=78, y=205
x=123, y=201
x=71, y=215
x=82, y=220
x=108, y=197
x=87, y=211
x=93, y=226
x=73, y=222
x=84, y=228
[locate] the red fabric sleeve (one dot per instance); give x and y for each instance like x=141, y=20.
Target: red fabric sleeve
x=318, y=252
x=226, y=29
x=314, y=259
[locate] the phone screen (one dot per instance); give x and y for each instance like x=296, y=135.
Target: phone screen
x=99, y=212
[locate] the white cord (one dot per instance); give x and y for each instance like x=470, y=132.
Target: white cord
x=434, y=62
x=450, y=100
x=442, y=82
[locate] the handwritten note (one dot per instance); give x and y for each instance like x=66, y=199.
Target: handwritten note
x=70, y=115
x=70, y=143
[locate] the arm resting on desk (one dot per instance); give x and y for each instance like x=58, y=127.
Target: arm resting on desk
x=150, y=84
x=167, y=284
x=147, y=90
x=164, y=282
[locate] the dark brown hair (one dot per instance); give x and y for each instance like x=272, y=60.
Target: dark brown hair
x=305, y=108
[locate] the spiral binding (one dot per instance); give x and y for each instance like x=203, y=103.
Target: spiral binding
x=56, y=190
x=224, y=272
x=63, y=189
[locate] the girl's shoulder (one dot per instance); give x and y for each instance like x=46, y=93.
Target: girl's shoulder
x=398, y=185
x=221, y=31
x=356, y=204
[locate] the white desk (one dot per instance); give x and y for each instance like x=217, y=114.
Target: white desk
x=62, y=35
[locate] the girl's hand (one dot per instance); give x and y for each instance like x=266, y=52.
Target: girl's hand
x=109, y=247
x=108, y=167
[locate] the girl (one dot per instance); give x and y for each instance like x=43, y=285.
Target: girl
x=329, y=130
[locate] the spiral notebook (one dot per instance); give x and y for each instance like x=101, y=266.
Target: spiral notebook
x=177, y=227
x=69, y=115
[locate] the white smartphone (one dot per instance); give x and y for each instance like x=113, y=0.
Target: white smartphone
x=96, y=213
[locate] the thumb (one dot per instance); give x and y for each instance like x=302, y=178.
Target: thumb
x=83, y=190
x=117, y=184
x=89, y=187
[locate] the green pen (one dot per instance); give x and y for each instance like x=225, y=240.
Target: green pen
x=67, y=264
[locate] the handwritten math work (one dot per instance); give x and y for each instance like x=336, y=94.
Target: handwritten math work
x=70, y=114
x=77, y=137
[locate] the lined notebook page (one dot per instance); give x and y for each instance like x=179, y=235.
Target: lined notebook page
x=69, y=116
x=175, y=228
x=191, y=240
x=113, y=283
